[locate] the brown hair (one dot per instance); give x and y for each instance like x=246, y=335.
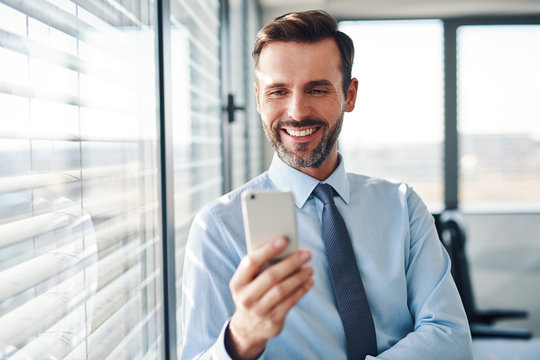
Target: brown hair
x=308, y=27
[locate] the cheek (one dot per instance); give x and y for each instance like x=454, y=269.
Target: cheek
x=332, y=109
x=270, y=113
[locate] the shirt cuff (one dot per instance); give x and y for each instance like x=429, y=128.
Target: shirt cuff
x=220, y=352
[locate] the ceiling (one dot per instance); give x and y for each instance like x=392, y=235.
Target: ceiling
x=374, y=9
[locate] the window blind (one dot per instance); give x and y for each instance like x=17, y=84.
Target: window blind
x=197, y=119
x=80, y=246
x=256, y=140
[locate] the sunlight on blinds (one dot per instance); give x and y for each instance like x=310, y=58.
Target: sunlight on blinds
x=80, y=245
x=197, y=119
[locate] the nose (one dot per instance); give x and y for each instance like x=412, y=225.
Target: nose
x=298, y=107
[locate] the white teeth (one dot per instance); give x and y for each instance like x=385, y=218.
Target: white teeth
x=305, y=132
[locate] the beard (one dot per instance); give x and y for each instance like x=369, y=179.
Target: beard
x=300, y=156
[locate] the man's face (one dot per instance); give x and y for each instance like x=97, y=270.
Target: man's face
x=301, y=101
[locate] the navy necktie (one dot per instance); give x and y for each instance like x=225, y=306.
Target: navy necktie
x=349, y=291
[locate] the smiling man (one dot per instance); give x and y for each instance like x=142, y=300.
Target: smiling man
x=301, y=102
x=371, y=278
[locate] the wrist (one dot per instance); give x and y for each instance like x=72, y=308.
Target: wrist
x=240, y=348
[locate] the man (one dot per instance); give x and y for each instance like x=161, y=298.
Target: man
x=292, y=309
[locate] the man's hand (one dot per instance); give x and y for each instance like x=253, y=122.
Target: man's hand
x=263, y=300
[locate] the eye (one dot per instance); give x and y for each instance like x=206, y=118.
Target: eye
x=318, y=91
x=277, y=92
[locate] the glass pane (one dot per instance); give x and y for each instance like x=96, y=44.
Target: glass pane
x=256, y=140
x=196, y=99
x=238, y=70
x=499, y=115
x=396, y=129
x=80, y=247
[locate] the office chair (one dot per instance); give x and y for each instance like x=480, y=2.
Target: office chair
x=451, y=230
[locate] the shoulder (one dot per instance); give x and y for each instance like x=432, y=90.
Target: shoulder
x=378, y=186
x=385, y=193
x=228, y=206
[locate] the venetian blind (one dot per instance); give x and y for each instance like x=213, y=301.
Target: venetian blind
x=197, y=119
x=80, y=247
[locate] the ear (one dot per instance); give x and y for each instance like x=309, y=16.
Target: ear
x=257, y=96
x=351, y=95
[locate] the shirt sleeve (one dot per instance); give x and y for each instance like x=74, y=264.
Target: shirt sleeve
x=441, y=330
x=207, y=305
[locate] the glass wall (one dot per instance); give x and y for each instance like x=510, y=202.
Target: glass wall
x=81, y=263
x=396, y=129
x=246, y=131
x=255, y=138
x=498, y=69
x=80, y=244
x=197, y=118
x=198, y=60
x=238, y=129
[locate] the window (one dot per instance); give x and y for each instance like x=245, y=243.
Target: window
x=197, y=111
x=81, y=262
x=499, y=115
x=396, y=129
x=255, y=137
x=246, y=136
x=80, y=250
x=197, y=119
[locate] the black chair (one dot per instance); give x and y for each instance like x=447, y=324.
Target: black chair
x=451, y=230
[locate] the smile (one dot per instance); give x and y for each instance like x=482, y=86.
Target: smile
x=300, y=133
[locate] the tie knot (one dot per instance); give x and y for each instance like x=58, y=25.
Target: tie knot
x=325, y=193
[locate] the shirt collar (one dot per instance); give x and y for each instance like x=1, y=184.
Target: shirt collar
x=302, y=185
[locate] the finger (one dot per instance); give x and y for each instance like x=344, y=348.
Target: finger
x=252, y=263
x=278, y=313
x=278, y=272
x=283, y=290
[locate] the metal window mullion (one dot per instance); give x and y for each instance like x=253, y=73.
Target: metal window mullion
x=245, y=83
x=451, y=144
x=451, y=150
x=163, y=59
x=224, y=49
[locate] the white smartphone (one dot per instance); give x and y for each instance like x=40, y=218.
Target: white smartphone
x=269, y=214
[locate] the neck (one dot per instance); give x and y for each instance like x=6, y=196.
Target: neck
x=325, y=170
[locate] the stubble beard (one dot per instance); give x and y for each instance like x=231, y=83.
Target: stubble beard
x=299, y=156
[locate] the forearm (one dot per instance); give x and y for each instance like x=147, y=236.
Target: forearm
x=440, y=329
x=433, y=341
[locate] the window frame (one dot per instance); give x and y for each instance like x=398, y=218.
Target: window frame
x=451, y=136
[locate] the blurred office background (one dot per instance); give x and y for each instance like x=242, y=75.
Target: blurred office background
x=120, y=119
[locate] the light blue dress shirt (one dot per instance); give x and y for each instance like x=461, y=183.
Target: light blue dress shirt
x=416, y=308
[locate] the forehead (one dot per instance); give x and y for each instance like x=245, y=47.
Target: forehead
x=297, y=62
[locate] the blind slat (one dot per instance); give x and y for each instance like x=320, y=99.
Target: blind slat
x=42, y=312
x=200, y=23
x=126, y=171
x=67, y=23
x=31, y=273
x=51, y=15
x=35, y=50
x=15, y=183
x=27, y=228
